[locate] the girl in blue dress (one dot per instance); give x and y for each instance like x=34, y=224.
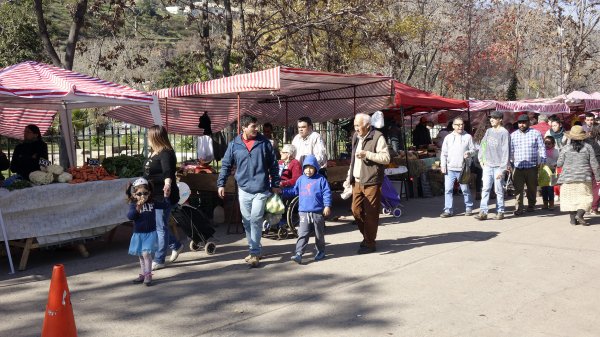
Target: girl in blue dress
x=144, y=240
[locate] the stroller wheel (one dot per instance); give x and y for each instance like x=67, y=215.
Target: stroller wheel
x=210, y=248
x=386, y=210
x=282, y=233
x=397, y=212
x=194, y=247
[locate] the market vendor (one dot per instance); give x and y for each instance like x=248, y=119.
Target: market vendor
x=4, y=164
x=421, y=136
x=27, y=155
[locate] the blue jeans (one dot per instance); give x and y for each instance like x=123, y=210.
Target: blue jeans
x=252, y=207
x=548, y=193
x=449, y=179
x=165, y=238
x=490, y=179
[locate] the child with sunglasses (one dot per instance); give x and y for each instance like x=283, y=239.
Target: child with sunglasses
x=144, y=240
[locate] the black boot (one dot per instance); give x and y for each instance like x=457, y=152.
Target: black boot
x=573, y=220
x=580, y=219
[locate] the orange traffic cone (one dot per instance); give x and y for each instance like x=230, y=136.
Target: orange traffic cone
x=59, y=320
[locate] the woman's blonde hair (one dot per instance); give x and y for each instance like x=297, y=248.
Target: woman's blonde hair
x=159, y=139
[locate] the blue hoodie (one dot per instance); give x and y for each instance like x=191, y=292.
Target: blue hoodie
x=253, y=168
x=314, y=191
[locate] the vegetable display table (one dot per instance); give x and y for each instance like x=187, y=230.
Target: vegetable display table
x=60, y=213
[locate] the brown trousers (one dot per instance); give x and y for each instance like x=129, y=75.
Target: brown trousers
x=522, y=177
x=366, y=204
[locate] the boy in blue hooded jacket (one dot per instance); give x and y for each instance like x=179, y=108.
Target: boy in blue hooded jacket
x=313, y=206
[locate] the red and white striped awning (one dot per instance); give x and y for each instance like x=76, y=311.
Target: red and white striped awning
x=32, y=93
x=542, y=108
x=279, y=95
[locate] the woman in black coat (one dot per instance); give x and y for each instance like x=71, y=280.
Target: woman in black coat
x=27, y=155
x=159, y=170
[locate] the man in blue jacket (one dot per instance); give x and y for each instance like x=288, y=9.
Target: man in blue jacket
x=257, y=175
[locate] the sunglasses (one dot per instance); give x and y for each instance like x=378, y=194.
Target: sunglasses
x=139, y=194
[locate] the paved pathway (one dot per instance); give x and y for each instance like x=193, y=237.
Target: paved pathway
x=528, y=276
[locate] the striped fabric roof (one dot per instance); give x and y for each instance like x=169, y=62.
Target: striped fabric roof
x=31, y=93
x=266, y=94
x=542, y=108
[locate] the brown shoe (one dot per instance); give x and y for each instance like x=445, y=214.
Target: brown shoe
x=499, y=216
x=254, y=261
x=247, y=258
x=551, y=205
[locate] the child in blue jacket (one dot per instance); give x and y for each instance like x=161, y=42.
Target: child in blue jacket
x=314, y=204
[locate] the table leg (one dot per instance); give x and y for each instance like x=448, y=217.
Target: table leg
x=25, y=256
x=82, y=250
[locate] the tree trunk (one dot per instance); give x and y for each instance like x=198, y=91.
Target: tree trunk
x=78, y=20
x=228, y=38
x=205, y=37
x=43, y=33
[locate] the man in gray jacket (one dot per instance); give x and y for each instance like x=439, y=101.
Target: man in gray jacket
x=457, y=147
x=494, y=156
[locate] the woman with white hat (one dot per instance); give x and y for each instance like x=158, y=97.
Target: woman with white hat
x=578, y=162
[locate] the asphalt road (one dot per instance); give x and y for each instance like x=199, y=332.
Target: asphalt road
x=531, y=276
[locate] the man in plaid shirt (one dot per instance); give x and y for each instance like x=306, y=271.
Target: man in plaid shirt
x=527, y=152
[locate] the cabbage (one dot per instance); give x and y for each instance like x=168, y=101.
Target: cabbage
x=41, y=178
x=65, y=177
x=55, y=169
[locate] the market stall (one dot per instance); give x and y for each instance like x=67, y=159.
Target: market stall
x=33, y=93
x=279, y=95
x=60, y=213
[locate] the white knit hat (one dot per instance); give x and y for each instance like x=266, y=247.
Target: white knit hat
x=140, y=181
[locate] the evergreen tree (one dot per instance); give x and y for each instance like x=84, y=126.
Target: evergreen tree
x=511, y=92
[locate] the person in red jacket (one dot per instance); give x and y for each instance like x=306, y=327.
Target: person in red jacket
x=542, y=125
x=289, y=167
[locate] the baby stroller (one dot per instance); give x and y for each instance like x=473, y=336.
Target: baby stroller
x=195, y=224
x=390, y=200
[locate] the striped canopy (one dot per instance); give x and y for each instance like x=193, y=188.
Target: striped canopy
x=279, y=95
x=32, y=93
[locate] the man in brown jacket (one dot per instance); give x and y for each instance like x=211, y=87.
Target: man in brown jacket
x=369, y=157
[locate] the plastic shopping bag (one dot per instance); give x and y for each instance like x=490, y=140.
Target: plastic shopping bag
x=545, y=176
x=205, y=149
x=377, y=119
x=275, y=205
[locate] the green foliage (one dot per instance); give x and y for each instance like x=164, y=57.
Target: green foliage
x=97, y=140
x=186, y=143
x=511, y=92
x=80, y=119
x=184, y=69
x=125, y=166
x=18, y=34
x=129, y=139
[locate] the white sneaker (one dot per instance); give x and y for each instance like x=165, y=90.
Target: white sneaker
x=157, y=266
x=175, y=254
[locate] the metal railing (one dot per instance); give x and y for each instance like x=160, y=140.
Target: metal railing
x=100, y=143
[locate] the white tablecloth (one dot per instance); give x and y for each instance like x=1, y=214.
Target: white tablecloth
x=64, y=212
